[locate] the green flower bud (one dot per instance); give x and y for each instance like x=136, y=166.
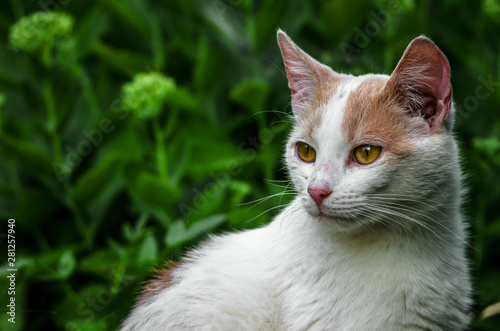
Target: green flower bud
x=147, y=93
x=492, y=9
x=40, y=29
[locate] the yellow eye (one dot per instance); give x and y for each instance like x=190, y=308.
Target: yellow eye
x=305, y=152
x=366, y=154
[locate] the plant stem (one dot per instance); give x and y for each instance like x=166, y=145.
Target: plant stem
x=86, y=82
x=17, y=8
x=161, y=157
x=47, y=56
x=82, y=228
x=156, y=43
x=58, y=154
x=1, y=119
x=52, y=119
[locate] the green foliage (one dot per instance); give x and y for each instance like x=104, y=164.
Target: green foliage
x=130, y=129
x=40, y=29
x=492, y=8
x=147, y=93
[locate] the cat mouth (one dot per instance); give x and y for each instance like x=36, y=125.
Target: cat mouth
x=325, y=213
x=322, y=212
x=333, y=212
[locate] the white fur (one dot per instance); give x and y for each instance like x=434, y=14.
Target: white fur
x=404, y=270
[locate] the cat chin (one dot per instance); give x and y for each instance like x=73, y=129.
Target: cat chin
x=357, y=224
x=325, y=213
x=342, y=222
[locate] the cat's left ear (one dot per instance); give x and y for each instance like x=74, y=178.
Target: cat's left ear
x=422, y=84
x=306, y=76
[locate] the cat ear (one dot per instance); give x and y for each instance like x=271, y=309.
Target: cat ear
x=421, y=82
x=305, y=74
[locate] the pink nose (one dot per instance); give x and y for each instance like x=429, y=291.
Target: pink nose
x=319, y=194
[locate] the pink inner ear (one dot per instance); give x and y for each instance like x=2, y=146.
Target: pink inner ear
x=301, y=81
x=421, y=81
x=302, y=77
x=305, y=74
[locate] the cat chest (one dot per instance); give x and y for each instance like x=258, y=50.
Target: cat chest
x=345, y=295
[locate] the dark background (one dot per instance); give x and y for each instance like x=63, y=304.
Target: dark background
x=81, y=175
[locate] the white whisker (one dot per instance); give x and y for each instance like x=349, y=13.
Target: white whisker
x=261, y=200
x=411, y=219
x=394, y=205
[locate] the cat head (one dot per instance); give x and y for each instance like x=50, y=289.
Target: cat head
x=373, y=148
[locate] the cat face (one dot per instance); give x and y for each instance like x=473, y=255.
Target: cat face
x=374, y=148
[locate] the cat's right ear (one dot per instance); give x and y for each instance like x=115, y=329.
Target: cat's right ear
x=305, y=75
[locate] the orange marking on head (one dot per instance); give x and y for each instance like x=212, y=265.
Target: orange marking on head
x=314, y=115
x=373, y=115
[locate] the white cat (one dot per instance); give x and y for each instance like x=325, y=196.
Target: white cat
x=374, y=239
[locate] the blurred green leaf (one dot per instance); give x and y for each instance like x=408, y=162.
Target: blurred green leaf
x=128, y=233
x=208, y=64
x=125, y=61
x=67, y=263
x=35, y=160
x=148, y=251
x=210, y=155
x=251, y=94
x=183, y=99
x=178, y=234
x=84, y=312
x=154, y=193
x=90, y=30
x=101, y=262
x=206, y=225
x=489, y=146
x=239, y=190
x=127, y=11
x=117, y=248
x=90, y=185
